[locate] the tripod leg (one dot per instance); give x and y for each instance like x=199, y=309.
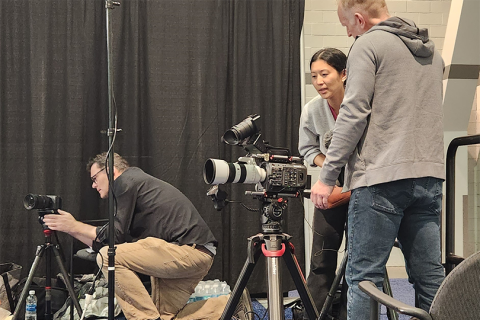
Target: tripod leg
x=23, y=295
x=275, y=297
x=391, y=314
x=239, y=286
x=299, y=280
x=66, y=278
x=333, y=289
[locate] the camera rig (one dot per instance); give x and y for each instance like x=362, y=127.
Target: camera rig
x=46, y=205
x=277, y=174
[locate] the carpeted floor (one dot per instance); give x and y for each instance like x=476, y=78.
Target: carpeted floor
x=402, y=290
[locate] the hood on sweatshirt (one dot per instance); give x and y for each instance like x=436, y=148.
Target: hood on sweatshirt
x=415, y=39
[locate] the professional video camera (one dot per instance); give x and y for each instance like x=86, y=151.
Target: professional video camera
x=277, y=174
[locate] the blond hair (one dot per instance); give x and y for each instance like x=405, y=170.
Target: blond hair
x=374, y=8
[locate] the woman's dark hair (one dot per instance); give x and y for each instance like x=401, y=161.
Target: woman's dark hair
x=334, y=57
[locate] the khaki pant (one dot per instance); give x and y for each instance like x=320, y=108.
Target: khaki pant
x=210, y=309
x=175, y=271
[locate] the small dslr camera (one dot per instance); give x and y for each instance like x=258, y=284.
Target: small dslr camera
x=44, y=204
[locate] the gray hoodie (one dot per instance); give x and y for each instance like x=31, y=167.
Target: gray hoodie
x=316, y=120
x=390, y=125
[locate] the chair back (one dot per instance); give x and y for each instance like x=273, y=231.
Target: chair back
x=459, y=295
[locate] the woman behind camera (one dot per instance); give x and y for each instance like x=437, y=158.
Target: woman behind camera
x=327, y=68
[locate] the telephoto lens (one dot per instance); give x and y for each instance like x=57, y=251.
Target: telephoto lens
x=220, y=171
x=242, y=131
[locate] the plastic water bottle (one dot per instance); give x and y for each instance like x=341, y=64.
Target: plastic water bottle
x=200, y=291
x=192, y=298
x=31, y=306
x=209, y=289
x=216, y=289
x=224, y=288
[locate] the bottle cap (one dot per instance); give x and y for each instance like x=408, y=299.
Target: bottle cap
x=31, y=292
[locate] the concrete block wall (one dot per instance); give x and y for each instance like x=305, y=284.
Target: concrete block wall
x=471, y=214
x=321, y=27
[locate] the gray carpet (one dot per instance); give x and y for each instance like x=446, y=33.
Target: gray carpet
x=402, y=290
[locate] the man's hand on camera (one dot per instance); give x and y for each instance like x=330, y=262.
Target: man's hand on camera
x=63, y=221
x=319, y=194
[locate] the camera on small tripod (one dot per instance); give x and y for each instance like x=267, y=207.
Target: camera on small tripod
x=277, y=174
x=46, y=205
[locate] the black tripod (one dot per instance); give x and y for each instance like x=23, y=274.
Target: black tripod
x=47, y=249
x=273, y=244
x=324, y=313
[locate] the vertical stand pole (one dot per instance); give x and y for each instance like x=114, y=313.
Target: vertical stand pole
x=109, y=5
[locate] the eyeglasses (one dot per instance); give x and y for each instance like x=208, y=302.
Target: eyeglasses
x=94, y=177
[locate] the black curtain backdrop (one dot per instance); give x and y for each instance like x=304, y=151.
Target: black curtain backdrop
x=184, y=73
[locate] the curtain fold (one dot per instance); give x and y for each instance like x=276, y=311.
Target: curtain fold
x=184, y=72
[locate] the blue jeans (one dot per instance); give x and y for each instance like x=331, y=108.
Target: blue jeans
x=408, y=210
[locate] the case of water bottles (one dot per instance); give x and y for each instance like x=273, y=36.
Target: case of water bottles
x=209, y=289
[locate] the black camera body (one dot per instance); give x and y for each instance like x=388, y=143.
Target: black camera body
x=284, y=177
x=277, y=174
x=44, y=204
x=274, y=170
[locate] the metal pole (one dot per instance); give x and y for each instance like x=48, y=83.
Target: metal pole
x=273, y=249
x=109, y=5
x=275, y=297
x=451, y=259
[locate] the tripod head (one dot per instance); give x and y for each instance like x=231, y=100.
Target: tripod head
x=272, y=209
x=41, y=214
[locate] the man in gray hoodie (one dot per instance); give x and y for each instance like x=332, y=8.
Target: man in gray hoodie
x=389, y=133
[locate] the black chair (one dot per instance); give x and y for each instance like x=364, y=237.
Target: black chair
x=82, y=260
x=457, y=297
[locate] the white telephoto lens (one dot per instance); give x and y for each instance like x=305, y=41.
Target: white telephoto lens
x=219, y=172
